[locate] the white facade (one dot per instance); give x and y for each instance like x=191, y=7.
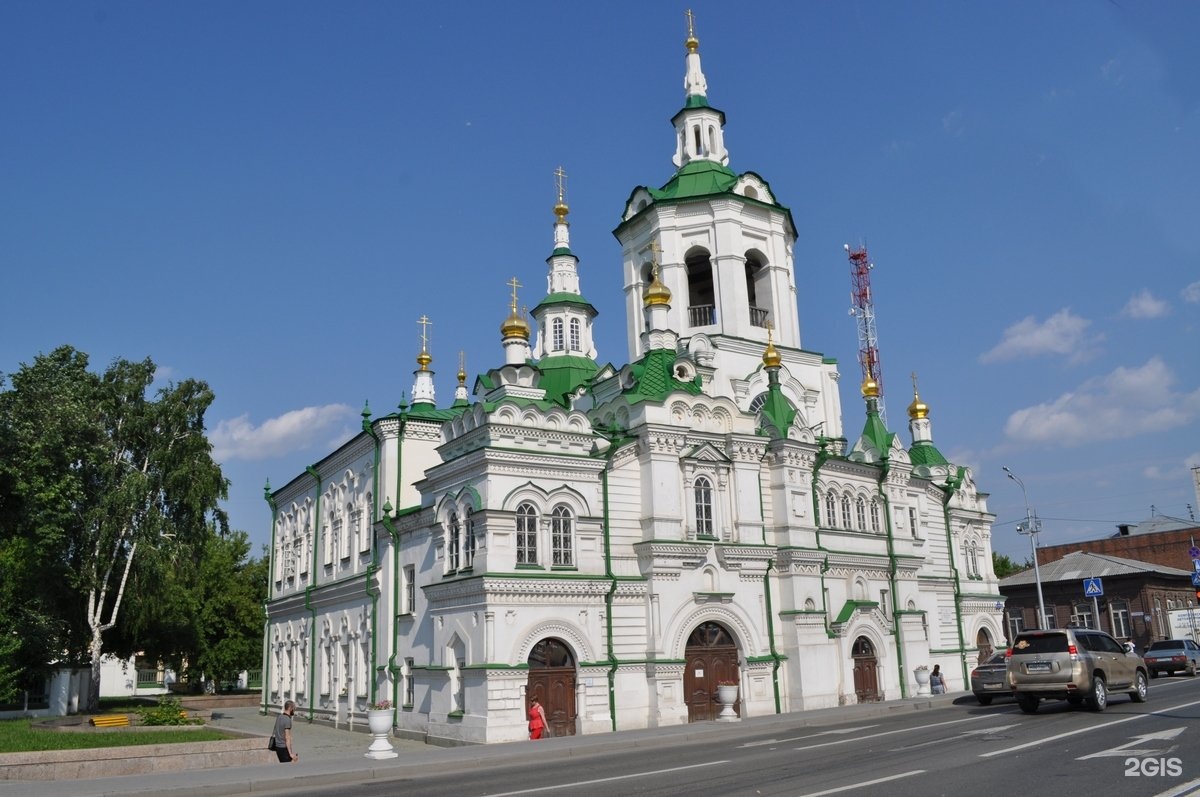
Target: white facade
x=620, y=541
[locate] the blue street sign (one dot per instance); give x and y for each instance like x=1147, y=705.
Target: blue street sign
x=1194, y=552
x=1196, y=579
x=1092, y=587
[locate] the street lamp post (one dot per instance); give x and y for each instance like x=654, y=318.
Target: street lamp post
x=1030, y=528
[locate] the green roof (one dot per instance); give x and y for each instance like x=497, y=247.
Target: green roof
x=554, y=299
x=654, y=378
x=926, y=453
x=562, y=373
x=851, y=607
x=697, y=178
x=778, y=411
x=697, y=101
x=874, y=432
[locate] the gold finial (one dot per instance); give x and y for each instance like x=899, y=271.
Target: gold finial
x=560, y=181
x=692, y=43
x=514, y=325
x=462, y=367
x=771, y=357
x=656, y=293
x=918, y=409
x=870, y=388
x=423, y=359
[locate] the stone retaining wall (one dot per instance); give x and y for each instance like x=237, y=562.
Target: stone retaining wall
x=103, y=762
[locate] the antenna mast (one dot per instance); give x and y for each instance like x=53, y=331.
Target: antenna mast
x=863, y=309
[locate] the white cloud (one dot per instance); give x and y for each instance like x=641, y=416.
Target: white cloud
x=1125, y=403
x=1062, y=333
x=1143, y=304
x=952, y=123
x=297, y=430
x=1191, y=293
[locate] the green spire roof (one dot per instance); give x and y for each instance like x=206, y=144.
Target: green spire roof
x=555, y=299
x=698, y=178
x=562, y=374
x=874, y=432
x=654, y=378
x=926, y=453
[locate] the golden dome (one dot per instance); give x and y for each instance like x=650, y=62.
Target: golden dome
x=656, y=293
x=515, y=327
x=918, y=409
x=870, y=388
x=560, y=211
x=771, y=357
x=424, y=359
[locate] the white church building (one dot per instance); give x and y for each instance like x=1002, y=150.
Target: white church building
x=617, y=542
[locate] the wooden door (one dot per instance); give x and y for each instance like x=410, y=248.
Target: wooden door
x=711, y=658
x=866, y=671
x=552, y=683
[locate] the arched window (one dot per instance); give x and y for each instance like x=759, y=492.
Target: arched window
x=860, y=511
x=973, y=560
x=846, y=512
x=469, y=542
x=758, y=290
x=704, y=507
x=453, y=540
x=526, y=535
x=562, y=540
x=556, y=335
x=702, y=302
x=575, y=344
x=830, y=510
x=875, y=516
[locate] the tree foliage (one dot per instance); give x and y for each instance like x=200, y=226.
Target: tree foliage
x=1004, y=566
x=103, y=484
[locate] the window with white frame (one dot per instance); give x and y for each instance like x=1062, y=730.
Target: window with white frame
x=830, y=510
x=1016, y=623
x=410, y=589
x=1120, y=619
x=556, y=335
x=1050, y=621
x=973, y=560
x=410, y=689
x=1160, y=618
x=704, y=507
x=343, y=536
x=860, y=513
x=469, y=542
x=1083, y=615
x=562, y=537
x=846, y=512
x=912, y=520
x=527, y=520
x=875, y=516
x=453, y=543
x=361, y=532
x=575, y=337
x=329, y=540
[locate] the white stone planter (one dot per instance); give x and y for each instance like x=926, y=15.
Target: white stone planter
x=727, y=695
x=922, y=675
x=380, y=723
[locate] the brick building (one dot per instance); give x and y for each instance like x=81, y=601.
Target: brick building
x=1161, y=540
x=1137, y=596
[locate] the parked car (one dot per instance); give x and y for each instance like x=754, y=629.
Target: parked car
x=990, y=679
x=1073, y=664
x=1171, y=656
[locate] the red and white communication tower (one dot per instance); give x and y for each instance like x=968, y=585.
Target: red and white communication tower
x=863, y=310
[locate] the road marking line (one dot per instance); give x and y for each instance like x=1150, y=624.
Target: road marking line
x=837, y=732
x=1088, y=729
x=864, y=784
x=944, y=739
x=1126, y=750
x=607, y=780
x=889, y=733
x=1181, y=790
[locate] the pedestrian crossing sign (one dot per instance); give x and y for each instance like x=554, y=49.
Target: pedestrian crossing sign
x=1092, y=587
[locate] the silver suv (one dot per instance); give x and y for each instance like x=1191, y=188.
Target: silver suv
x=1073, y=664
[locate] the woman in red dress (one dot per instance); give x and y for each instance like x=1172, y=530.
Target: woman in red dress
x=537, y=720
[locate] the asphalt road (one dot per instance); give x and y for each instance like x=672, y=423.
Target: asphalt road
x=964, y=748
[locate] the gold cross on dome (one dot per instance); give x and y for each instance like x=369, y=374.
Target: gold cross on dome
x=770, y=330
x=425, y=324
x=691, y=24
x=514, y=285
x=914, y=381
x=560, y=180
x=655, y=251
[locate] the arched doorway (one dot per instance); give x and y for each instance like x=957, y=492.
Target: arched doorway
x=983, y=641
x=552, y=683
x=866, y=671
x=711, y=658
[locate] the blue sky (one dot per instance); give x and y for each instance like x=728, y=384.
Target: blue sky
x=268, y=195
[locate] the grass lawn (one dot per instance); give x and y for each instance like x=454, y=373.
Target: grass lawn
x=16, y=736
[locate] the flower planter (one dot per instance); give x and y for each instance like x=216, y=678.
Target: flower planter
x=380, y=723
x=727, y=695
x=922, y=676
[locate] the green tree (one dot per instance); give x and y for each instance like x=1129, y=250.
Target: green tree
x=229, y=619
x=101, y=482
x=1005, y=566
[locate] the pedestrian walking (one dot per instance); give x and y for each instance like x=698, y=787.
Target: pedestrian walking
x=537, y=720
x=282, y=735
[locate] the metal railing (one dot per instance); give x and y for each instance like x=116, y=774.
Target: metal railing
x=758, y=316
x=702, y=315
x=149, y=679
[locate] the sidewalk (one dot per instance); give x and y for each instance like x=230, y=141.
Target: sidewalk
x=331, y=756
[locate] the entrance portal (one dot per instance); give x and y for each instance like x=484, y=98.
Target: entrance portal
x=711, y=658
x=983, y=641
x=552, y=683
x=866, y=671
